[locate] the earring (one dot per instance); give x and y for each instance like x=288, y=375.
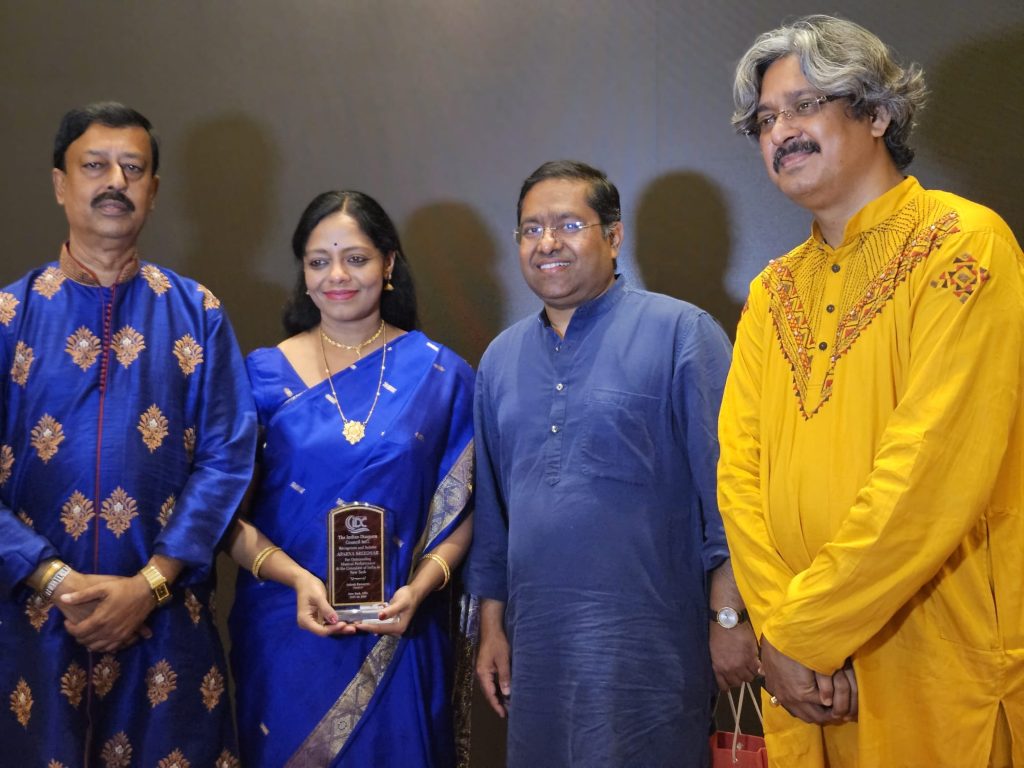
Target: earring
x=387, y=283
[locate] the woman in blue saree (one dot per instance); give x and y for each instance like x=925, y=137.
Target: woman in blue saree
x=356, y=406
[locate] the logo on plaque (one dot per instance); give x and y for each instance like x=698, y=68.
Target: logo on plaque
x=356, y=565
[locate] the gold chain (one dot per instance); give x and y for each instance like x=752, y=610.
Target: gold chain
x=357, y=348
x=353, y=430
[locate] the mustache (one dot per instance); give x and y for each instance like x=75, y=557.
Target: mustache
x=113, y=194
x=794, y=146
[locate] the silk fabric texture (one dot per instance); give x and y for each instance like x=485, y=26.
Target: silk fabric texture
x=363, y=699
x=871, y=479
x=127, y=430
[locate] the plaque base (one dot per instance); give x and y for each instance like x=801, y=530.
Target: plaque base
x=366, y=614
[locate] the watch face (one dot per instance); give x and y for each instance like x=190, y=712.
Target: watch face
x=728, y=617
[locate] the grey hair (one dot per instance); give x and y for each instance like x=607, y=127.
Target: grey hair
x=840, y=58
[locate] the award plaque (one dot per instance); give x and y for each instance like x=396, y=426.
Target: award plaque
x=356, y=565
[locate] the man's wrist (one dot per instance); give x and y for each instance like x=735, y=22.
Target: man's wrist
x=727, y=616
x=157, y=582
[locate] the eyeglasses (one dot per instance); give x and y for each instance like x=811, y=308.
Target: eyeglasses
x=564, y=231
x=802, y=110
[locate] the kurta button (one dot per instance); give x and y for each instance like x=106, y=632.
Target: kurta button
x=559, y=386
x=830, y=308
x=554, y=429
x=835, y=267
x=823, y=346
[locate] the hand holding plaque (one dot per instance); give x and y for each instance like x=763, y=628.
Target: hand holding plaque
x=356, y=562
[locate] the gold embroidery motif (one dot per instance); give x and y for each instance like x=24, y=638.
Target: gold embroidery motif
x=119, y=509
x=23, y=516
x=72, y=684
x=117, y=752
x=105, y=674
x=452, y=495
x=46, y=436
x=21, y=702
x=161, y=680
x=157, y=280
x=37, y=609
x=174, y=760
x=6, y=463
x=194, y=606
x=212, y=688
x=84, y=347
x=189, y=353
x=153, y=426
x=190, y=443
x=227, y=760
x=881, y=273
x=23, y=359
x=49, y=282
x=76, y=514
x=8, y=304
x=166, y=510
x=209, y=300
x=55, y=764
x=128, y=344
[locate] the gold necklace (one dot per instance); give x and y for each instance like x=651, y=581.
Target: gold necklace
x=353, y=430
x=358, y=348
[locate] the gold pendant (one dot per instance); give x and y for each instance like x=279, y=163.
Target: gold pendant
x=354, y=431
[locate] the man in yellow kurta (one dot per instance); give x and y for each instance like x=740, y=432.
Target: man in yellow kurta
x=872, y=474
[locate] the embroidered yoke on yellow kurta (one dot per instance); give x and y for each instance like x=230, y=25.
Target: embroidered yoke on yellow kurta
x=871, y=478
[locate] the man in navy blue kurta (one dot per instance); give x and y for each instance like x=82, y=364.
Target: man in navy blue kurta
x=596, y=525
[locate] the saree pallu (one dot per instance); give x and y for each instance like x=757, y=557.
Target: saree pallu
x=364, y=699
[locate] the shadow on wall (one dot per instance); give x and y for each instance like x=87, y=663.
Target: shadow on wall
x=682, y=243
x=972, y=124
x=230, y=174
x=453, y=259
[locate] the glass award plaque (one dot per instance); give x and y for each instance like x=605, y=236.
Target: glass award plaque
x=356, y=564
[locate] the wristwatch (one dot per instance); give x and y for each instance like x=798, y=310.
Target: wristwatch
x=157, y=583
x=727, y=616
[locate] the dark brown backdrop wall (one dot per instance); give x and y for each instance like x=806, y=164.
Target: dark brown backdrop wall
x=440, y=108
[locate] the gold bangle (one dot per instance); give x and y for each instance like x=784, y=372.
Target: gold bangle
x=263, y=555
x=51, y=570
x=444, y=567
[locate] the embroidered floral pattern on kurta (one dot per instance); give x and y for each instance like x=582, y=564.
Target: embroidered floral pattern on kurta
x=128, y=344
x=209, y=300
x=212, y=688
x=189, y=353
x=166, y=510
x=105, y=674
x=174, y=760
x=8, y=304
x=153, y=427
x=190, y=443
x=47, y=435
x=6, y=463
x=161, y=680
x=193, y=606
x=23, y=359
x=49, y=282
x=84, y=347
x=227, y=760
x=156, y=279
x=37, y=610
x=76, y=514
x=72, y=684
x=117, y=752
x=118, y=510
x=21, y=702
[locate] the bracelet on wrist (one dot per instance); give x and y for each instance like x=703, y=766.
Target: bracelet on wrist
x=54, y=581
x=264, y=553
x=444, y=568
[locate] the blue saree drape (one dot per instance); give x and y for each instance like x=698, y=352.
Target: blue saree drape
x=361, y=700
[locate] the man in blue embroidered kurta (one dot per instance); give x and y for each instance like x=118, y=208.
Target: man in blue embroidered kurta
x=596, y=525
x=126, y=442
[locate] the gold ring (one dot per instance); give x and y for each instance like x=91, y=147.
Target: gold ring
x=774, y=701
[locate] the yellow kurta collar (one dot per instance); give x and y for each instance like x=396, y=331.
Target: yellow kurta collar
x=875, y=212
